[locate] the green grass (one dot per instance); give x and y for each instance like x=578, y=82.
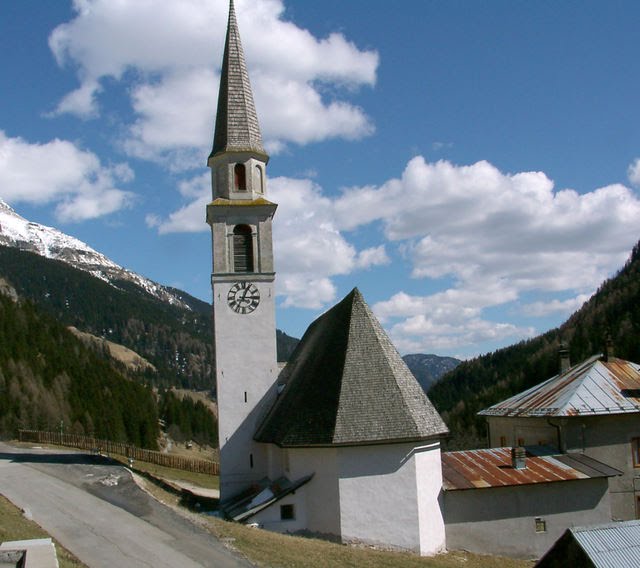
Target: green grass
x=170, y=474
x=275, y=550
x=14, y=526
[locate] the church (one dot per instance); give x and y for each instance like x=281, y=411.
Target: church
x=343, y=443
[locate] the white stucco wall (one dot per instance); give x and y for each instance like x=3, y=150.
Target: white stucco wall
x=501, y=520
x=389, y=496
x=429, y=483
x=322, y=492
x=246, y=370
x=270, y=519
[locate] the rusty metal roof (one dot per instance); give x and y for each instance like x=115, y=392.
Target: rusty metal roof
x=592, y=387
x=477, y=469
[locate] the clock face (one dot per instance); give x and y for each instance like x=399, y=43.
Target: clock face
x=243, y=297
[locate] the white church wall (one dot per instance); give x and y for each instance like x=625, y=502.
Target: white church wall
x=429, y=484
x=378, y=496
x=274, y=519
x=322, y=495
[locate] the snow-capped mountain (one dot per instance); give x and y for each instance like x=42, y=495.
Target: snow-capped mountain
x=16, y=231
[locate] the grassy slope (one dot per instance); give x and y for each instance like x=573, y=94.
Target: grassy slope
x=284, y=551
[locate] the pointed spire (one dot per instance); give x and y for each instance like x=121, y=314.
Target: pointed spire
x=237, y=127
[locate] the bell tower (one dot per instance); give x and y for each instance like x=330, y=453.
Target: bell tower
x=243, y=274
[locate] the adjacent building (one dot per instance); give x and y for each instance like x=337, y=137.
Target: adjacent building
x=608, y=545
x=518, y=502
x=593, y=408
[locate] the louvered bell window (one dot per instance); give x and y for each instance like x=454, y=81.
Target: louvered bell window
x=242, y=249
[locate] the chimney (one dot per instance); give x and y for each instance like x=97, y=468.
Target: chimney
x=565, y=362
x=518, y=458
x=608, y=347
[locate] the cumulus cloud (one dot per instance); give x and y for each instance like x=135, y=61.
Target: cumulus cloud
x=309, y=249
x=476, y=237
x=564, y=307
x=633, y=173
x=167, y=53
x=491, y=237
x=59, y=172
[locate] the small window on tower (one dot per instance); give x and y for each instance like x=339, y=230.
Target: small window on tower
x=240, y=177
x=635, y=450
x=260, y=179
x=242, y=249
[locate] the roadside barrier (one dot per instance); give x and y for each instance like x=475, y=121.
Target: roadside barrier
x=107, y=447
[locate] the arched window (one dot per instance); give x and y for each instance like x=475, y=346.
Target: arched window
x=242, y=249
x=240, y=177
x=260, y=179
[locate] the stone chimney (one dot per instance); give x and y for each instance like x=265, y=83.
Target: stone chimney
x=518, y=458
x=608, y=347
x=565, y=362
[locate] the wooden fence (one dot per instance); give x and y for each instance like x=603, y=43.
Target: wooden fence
x=119, y=448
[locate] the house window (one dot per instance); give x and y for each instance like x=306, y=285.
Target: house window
x=240, y=177
x=242, y=249
x=287, y=513
x=521, y=442
x=503, y=441
x=635, y=449
x=541, y=525
x=251, y=461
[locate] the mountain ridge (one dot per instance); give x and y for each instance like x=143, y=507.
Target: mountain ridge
x=49, y=242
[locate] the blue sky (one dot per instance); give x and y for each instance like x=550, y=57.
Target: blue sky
x=471, y=166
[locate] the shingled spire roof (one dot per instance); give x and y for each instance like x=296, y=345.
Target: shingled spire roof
x=237, y=127
x=347, y=385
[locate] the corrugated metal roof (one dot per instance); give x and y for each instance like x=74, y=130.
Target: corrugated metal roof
x=592, y=387
x=475, y=469
x=615, y=545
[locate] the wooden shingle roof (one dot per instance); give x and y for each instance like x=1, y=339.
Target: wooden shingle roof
x=237, y=128
x=347, y=385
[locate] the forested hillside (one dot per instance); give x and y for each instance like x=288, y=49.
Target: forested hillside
x=481, y=382
x=50, y=380
x=176, y=341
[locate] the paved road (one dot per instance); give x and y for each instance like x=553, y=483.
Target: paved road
x=97, y=512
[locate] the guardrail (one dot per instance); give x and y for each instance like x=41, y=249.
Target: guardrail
x=119, y=448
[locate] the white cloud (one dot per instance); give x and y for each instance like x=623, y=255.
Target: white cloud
x=489, y=237
x=633, y=173
x=167, y=53
x=564, y=307
x=481, y=237
x=309, y=249
x=58, y=172
x=374, y=256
